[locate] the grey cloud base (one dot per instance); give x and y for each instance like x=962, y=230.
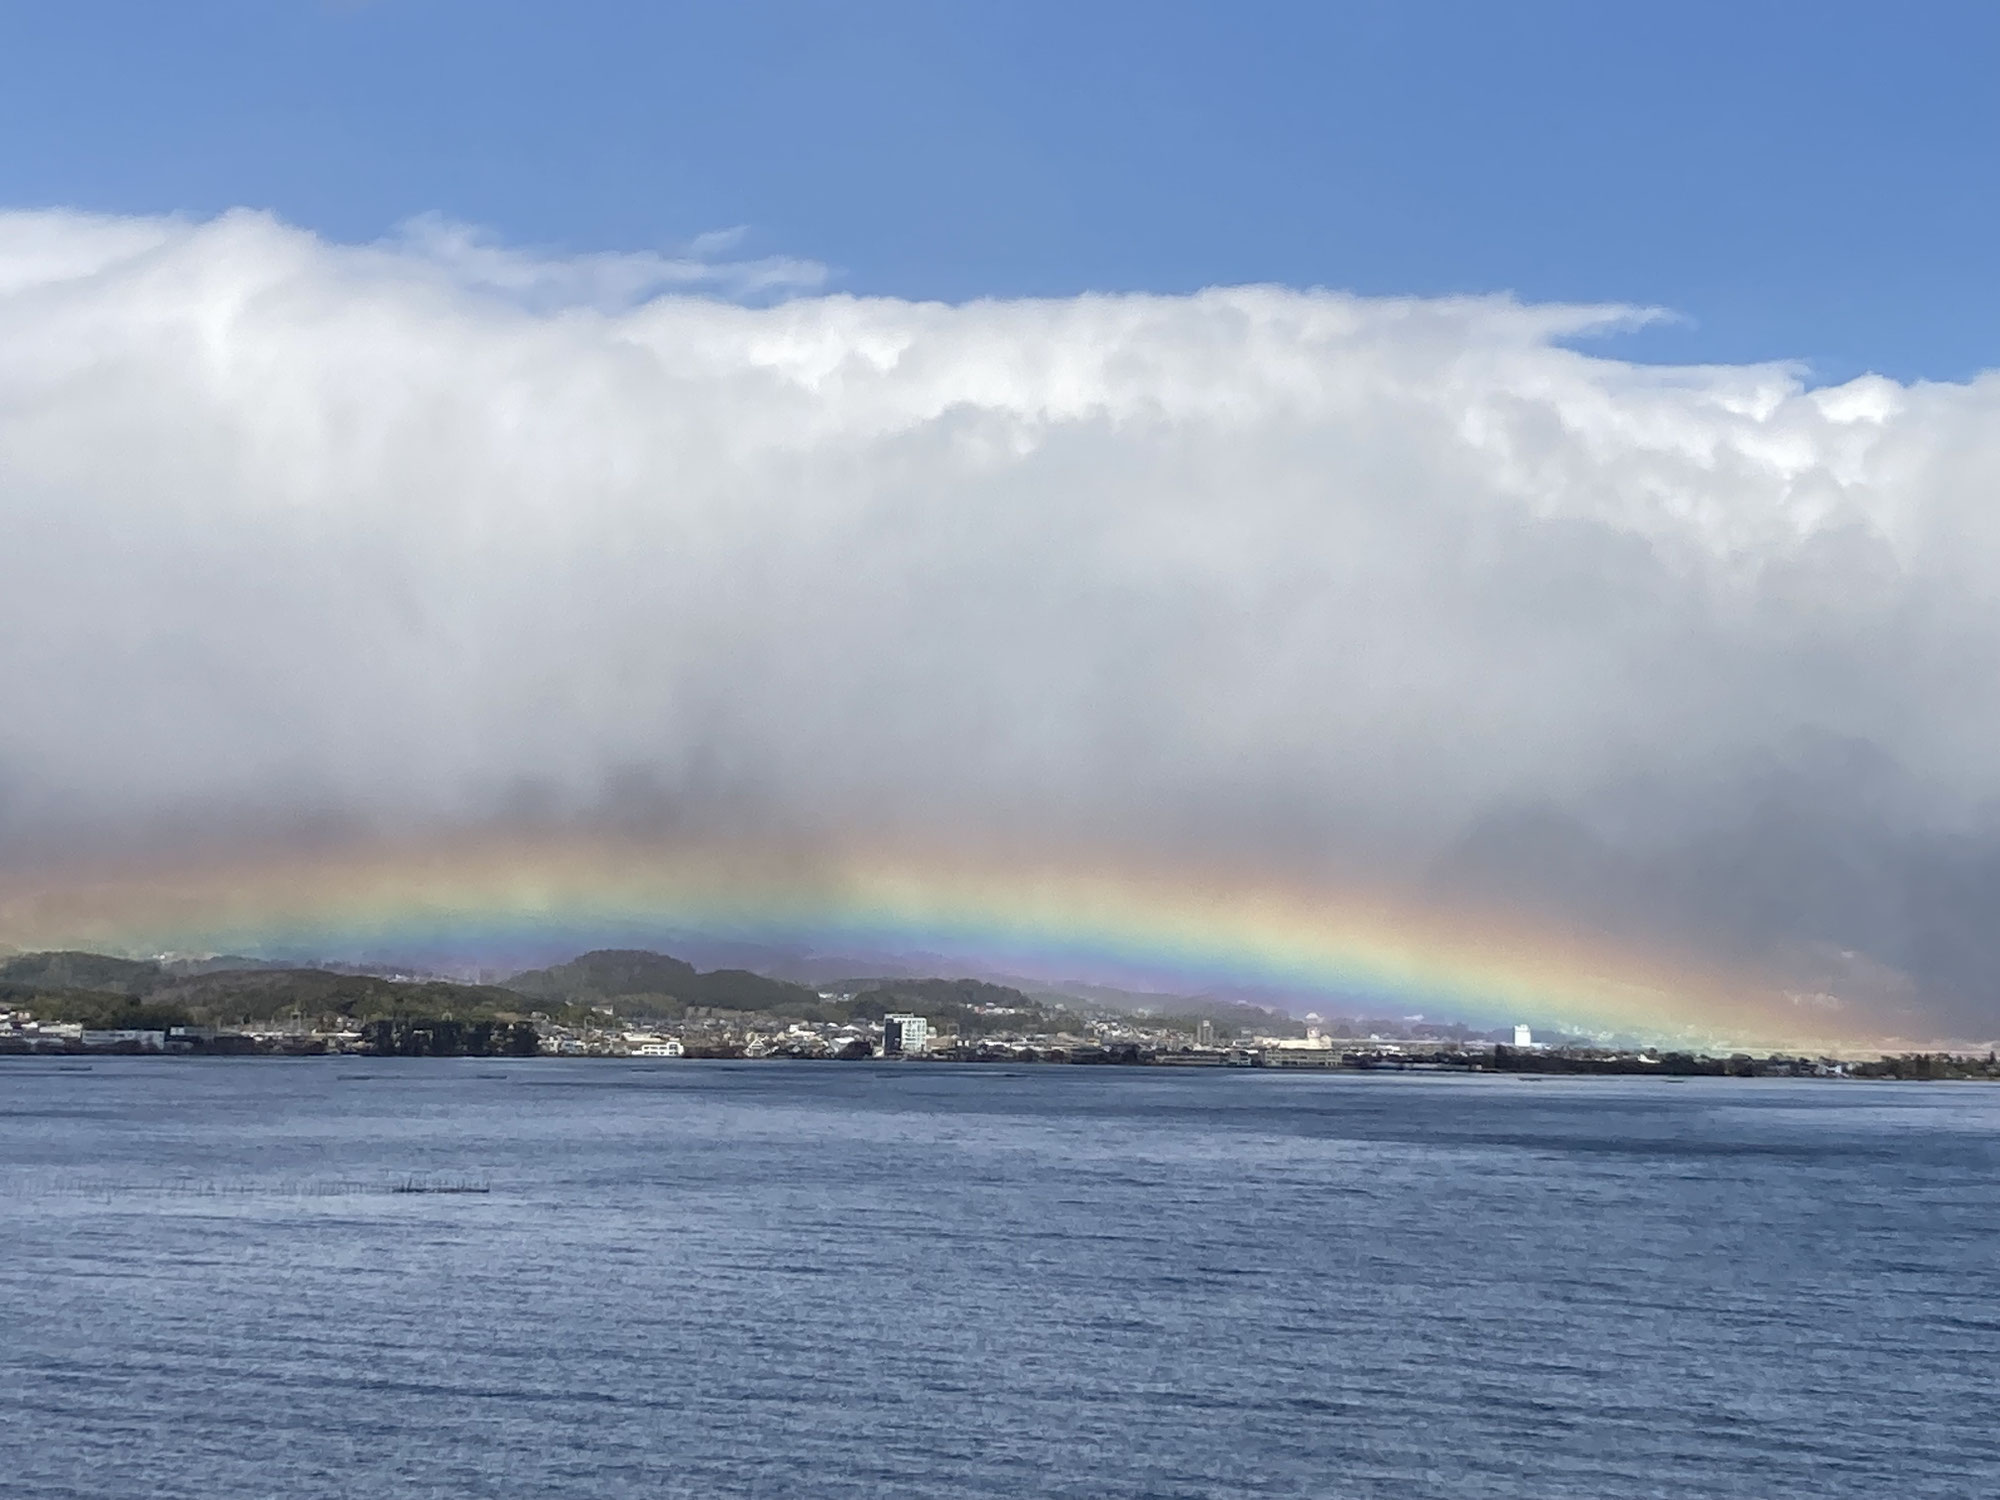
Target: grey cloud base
x=302, y=538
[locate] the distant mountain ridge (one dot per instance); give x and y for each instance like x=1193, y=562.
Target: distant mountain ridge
x=637, y=976
x=630, y=982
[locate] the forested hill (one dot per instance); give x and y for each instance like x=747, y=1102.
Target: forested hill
x=629, y=983
x=81, y=971
x=637, y=982
x=243, y=995
x=111, y=992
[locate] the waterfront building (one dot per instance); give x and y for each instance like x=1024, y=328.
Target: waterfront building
x=1204, y=1032
x=1313, y=1042
x=904, y=1034
x=1523, y=1037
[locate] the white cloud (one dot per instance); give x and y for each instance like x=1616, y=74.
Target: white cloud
x=439, y=529
x=611, y=281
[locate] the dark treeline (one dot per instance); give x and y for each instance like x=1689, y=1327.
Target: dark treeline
x=1669, y=1064
x=1930, y=1065
x=100, y=1010
x=1916, y=1065
x=406, y=1036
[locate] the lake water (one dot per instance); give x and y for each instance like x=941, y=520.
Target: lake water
x=864, y=1280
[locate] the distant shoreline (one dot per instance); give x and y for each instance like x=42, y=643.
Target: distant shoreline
x=1933, y=1067
x=636, y=1004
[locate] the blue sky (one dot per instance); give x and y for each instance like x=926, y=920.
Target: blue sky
x=1801, y=181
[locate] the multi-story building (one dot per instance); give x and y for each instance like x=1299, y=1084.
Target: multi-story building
x=904, y=1034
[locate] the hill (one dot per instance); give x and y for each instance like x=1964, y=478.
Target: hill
x=237, y=996
x=969, y=1007
x=629, y=983
x=634, y=981
x=117, y=992
x=81, y=971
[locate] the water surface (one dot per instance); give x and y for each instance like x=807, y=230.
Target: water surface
x=863, y=1280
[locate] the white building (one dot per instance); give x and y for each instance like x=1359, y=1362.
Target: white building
x=1523, y=1037
x=904, y=1034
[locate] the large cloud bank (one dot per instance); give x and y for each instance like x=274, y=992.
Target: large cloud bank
x=296, y=535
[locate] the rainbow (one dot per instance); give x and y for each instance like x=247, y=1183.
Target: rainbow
x=529, y=899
